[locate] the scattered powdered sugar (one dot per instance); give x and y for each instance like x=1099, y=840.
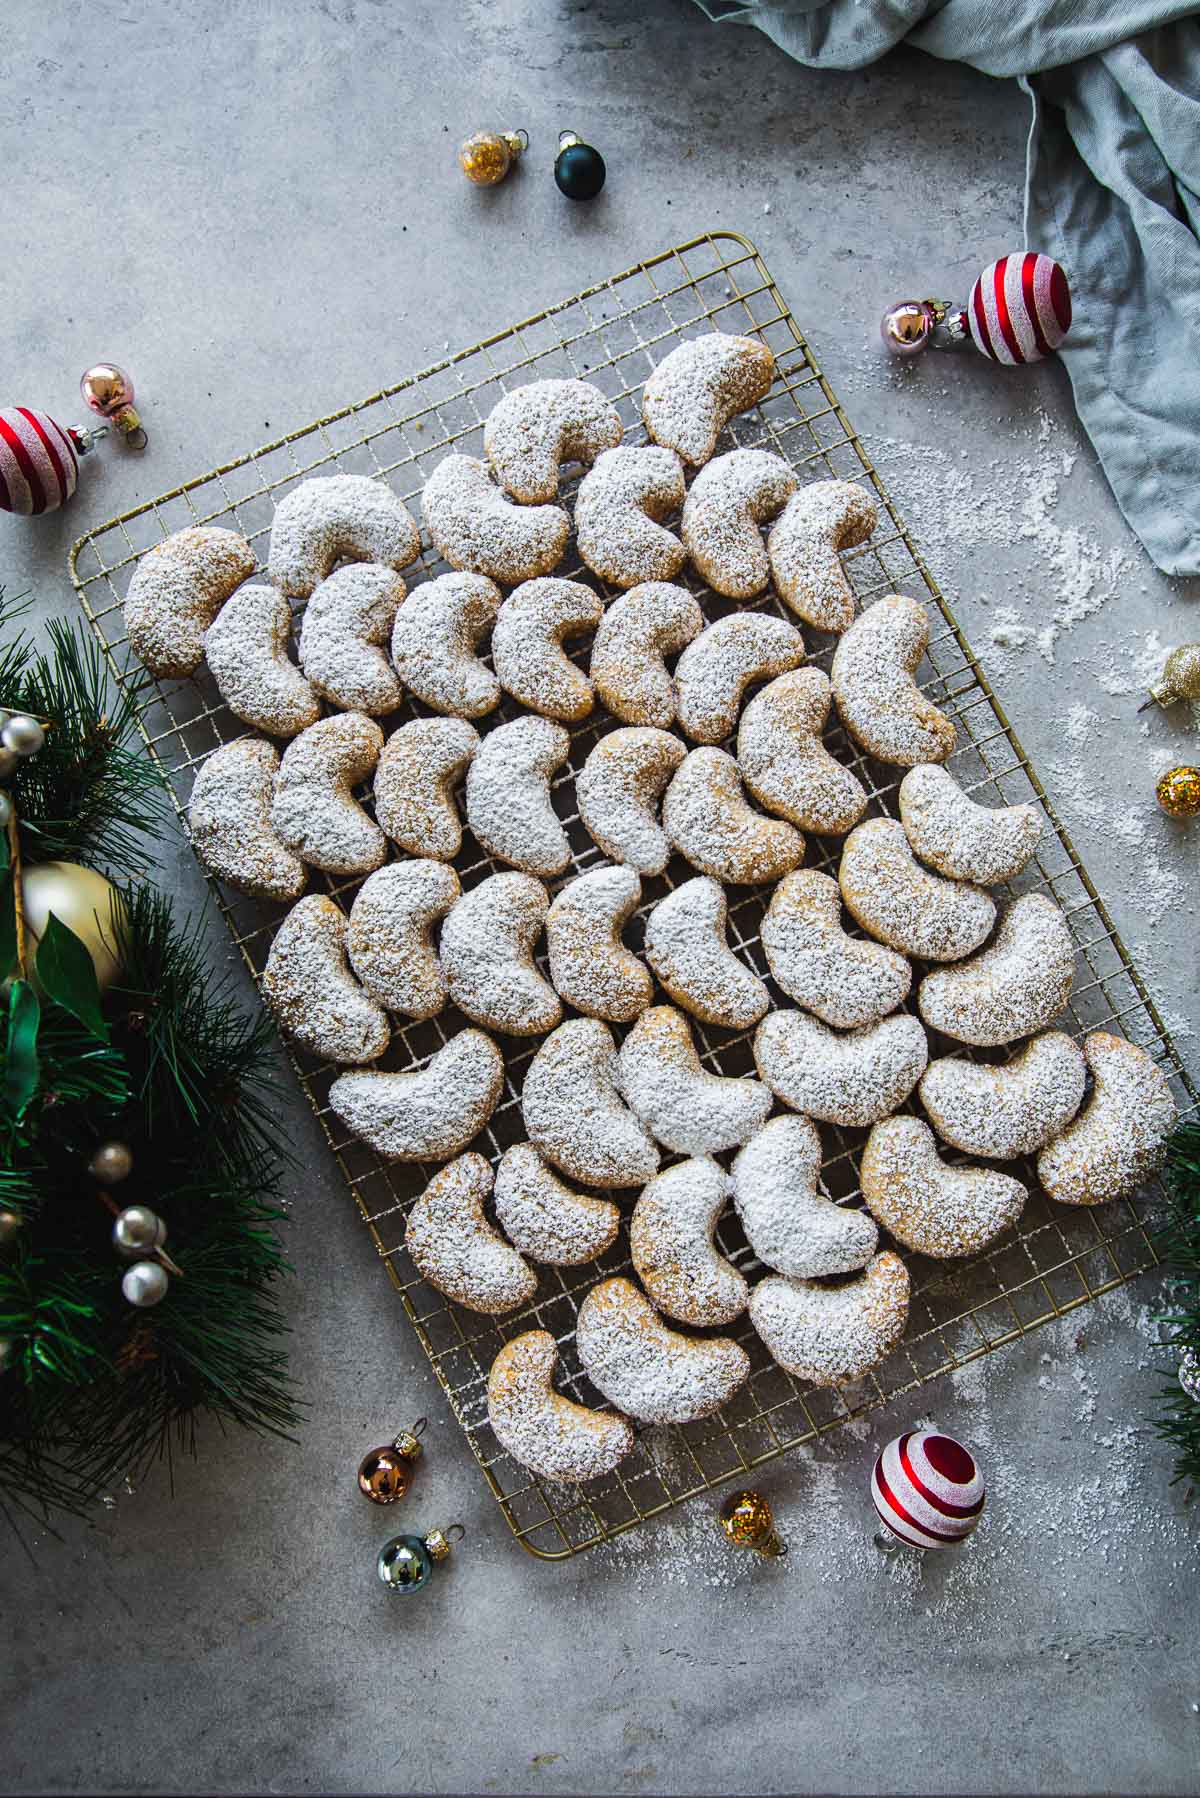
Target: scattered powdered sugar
x=544, y=1218
x=1118, y=1139
x=823, y=518
x=575, y=1114
x=788, y=1223
x=637, y=632
x=692, y=394
x=645, y=1368
x=833, y=1334
x=531, y=431
x=178, y=587
x=1007, y=1111
x=314, y=810
x=432, y=1113
x=420, y=767
x=706, y=817
x=671, y=1245
x=714, y=671
x=1018, y=984
x=530, y=629
x=617, y=791
x=390, y=937
x=589, y=964
x=229, y=818
x=477, y=527
x=618, y=514
x=346, y=624
x=487, y=956
x=872, y=678
x=246, y=649
x=929, y=1207
x=337, y=518
x=687, y=946
x=785, y=764
x=890, y=894
x=852, y=1078
x=308, y=985
x=730, y=497
x=508, y=795
x=437, y=632
x=689, y=1110
x=550, y=1434
x=961, y=839
x=453, y=1245
x=847, y=981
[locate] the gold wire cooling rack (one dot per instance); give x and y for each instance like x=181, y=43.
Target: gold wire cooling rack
x=1056, y=1259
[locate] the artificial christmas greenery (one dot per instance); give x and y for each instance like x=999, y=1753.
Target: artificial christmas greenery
x=1180, y=1419
x=163, y=1061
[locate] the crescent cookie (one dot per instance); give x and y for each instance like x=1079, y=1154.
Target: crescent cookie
x=390, y=938
x=617, y=791
x=508, y=795
x=337, y=518
x=1119, y=1137
x=229, y=820
x=847, y=982
x=431, y=1114
x=713, y=673
x=527, y=651
x=345, y=627
x=689, y=1111
x=437, y=632
x=671, y=1243
x=552, y=1436
x=314, y=810
x=1018, y=984
x=246, y=648
x=634, y=636
x=877, y=697
x=788, y=1223
x=962, y=840
x=487, y=956
x=589, y=964
x=308, y=985
x=706, y=817
x=852, y=1079
x=618, y=516
x=421, y=765
x=929, y=1207
x=576, y=1117
x=477, y=527
x=645, y=1368
x=830, y=1335
x=687, y=946
x=693, y=393
x=823, y=518
x=544, y=1218
x=178, y=587
x=1007, y=1111
x=729, y=499
x=890, y=894
x=533, y=430
x=785, y=764
x=451, y=1243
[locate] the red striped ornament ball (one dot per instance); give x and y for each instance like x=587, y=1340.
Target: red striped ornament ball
x=39, y=465
x=928, y=1490
x=1020, y=308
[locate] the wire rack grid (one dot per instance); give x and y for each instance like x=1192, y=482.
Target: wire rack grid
x=1057, y=1258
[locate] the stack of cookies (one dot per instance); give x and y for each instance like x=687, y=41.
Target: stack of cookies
x=709, y=772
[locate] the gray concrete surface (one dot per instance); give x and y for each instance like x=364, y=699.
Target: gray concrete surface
x=259, y=210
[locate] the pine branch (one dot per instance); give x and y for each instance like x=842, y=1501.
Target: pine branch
x=1179, y=1422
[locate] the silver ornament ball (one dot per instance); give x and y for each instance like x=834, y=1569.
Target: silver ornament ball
x=111, y=1163
x=138, y=1231
x=1189, y=1374
x=23, y=734
x=145, y=1284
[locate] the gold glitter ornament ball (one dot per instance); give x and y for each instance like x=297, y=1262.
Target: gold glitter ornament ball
x=1178, y=792
x=747, y=1520
x=1180, y=676
x=486, y=156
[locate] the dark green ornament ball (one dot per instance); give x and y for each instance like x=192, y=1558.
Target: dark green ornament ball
x=579, y=171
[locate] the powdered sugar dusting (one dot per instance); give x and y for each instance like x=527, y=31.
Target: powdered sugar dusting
x=618, y=516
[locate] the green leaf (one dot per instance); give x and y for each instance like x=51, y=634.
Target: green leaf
x=21, y=1061
x=8, y=923
x=5, y=849
x=68, y=976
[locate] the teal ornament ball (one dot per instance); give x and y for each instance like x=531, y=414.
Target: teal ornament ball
x=404, y=1564
x=578, y=168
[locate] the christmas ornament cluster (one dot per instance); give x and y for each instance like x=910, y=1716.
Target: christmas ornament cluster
x=39, y=458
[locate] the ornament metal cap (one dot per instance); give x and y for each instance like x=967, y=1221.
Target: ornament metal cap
x=747, y=1521
x=408, y=1442
x=439, y=1543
